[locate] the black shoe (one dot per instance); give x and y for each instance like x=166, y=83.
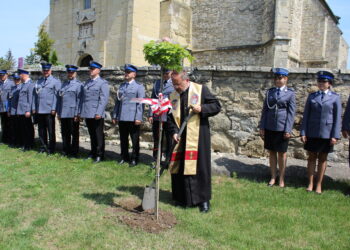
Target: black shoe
x=133, y=163
x=204, y=207
x=90, y=157
x=98, y=159
x=122, y=162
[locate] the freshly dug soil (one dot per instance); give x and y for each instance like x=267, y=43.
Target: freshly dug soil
x=129, y=211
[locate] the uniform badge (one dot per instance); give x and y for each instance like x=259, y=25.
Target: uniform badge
x=194, y=99
x=174, y=104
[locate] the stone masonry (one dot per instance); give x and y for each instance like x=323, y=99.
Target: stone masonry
x=279, y=33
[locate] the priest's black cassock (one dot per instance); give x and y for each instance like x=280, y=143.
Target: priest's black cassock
x=191, y=190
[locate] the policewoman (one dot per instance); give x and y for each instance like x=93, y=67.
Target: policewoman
x=15, y=125
x=92, y=109
x=69, y=97
x=320, y=128
x=128, y=115
x=45, y=107
x=154, y=119
x=23, y=110
x=276, y=124
x=5, y=88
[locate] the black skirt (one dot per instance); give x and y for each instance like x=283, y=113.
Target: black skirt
x=318, y=145
x=274, y=141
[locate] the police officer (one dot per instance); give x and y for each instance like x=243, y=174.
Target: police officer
x=23, y=110
x=5, y=88
x=154, y=119
x=276, y=124
x=16, y=139
x=45, y=106
x=68, y=102
x=346, y=123
x=320, y=128
x=128, y=115
x=93, y=104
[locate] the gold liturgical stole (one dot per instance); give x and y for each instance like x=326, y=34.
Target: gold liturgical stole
x=190, y=156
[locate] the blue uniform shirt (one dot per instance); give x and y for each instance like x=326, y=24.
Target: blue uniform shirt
x=69, y=97
x=5, y=88
x=45, y=95
x=167, y=90
x=124, y=110
x=25, y=98
x=13, y=98
x=94, y=99
x=322, y=116
x=279, y=110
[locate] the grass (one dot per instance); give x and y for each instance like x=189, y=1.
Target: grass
x=50, y=202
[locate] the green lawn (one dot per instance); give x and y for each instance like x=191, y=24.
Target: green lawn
x=50, y=202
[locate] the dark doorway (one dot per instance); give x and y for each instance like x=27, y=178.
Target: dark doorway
x=85, y=61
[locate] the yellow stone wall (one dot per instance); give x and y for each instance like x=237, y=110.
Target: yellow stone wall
x=120, y=28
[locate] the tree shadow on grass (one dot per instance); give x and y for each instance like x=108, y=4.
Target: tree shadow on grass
x=296, y=176
x=102, y=198
x=164, y=195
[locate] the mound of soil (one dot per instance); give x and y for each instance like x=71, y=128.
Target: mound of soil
x=129, y=212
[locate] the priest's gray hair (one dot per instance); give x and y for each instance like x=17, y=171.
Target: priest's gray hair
x=185, y=75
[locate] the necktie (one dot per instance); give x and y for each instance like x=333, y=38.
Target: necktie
x=322, y=95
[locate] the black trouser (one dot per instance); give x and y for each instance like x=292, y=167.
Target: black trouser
x=166, y=136
x=70, y=136
x=16, y=131
x=46, y=126
x=97, y=137
x=5, y=127
x=126, y=129
x=26, y=131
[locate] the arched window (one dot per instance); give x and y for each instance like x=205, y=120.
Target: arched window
x=87, y=4
x=85, y=60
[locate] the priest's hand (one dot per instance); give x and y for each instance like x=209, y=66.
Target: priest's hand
x=196, y=109
x=176, y=138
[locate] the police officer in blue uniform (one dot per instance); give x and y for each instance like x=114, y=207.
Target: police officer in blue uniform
x=16, y=139
x=95, y=94
x=276, y=124
x=320, y=127
x=346, y=124
x=22, y=108
x=45, y=106
x=5, y=88
x=128, y=115
x=68, y=102
x=154, y=119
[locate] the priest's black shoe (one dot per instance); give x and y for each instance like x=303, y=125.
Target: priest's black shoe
x=133, y=163
x=204, y=207
x=98, y=159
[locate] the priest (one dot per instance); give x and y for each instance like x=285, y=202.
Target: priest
x=190, y=164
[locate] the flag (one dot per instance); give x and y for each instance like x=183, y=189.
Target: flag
x=158, y=106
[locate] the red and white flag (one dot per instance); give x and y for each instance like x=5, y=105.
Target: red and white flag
x=158, y=106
